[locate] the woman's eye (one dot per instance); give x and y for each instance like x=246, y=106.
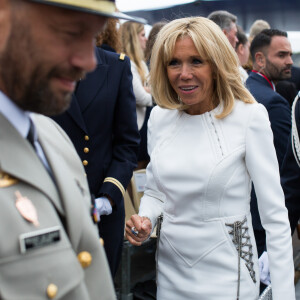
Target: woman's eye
x=173, y=62
x=197, y=61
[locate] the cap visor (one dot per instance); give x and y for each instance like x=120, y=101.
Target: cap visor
x=91, y=9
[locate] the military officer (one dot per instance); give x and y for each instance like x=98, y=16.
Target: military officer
x=49, y=246
x=102, y=124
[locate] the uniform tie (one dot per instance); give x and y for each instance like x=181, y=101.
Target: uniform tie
x=32, y=135
x=32, y=138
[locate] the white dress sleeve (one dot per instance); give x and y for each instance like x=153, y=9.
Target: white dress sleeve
x=153, y=200
x=263, y=168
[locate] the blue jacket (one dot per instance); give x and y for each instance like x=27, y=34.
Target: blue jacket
x=280, y=117
x=101, y=123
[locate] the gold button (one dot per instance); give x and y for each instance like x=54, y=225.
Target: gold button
x=86, y=150
x=85, y=258
x=102, y=241
x=85, y=162
x=52, y=291
x=86, y=137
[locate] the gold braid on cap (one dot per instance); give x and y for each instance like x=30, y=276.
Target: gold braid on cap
x=104, y=6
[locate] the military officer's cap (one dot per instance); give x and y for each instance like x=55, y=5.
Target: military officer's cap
x=106, y=8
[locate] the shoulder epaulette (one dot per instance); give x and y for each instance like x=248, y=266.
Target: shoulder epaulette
x=122, y=56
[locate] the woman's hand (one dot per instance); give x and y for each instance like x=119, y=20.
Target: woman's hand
x=138, y=229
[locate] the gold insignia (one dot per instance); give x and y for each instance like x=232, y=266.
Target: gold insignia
x=6, y=180
x=122, y=56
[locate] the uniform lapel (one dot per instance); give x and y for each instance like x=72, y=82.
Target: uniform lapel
x=88, y=88
x=75, y=113
x=18, y=159
x=65, y=177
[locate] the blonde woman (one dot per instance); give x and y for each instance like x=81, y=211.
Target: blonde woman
x=208, y=140
x=134, y=45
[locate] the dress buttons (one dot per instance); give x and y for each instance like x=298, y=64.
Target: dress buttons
x=86, y=150
x=85, y=162
x=85, y=259
x=86, y=137
x=52, y=291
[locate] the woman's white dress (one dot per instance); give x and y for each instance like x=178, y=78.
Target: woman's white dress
x=200, y=178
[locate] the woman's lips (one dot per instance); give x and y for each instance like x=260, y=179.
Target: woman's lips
x=188, y=89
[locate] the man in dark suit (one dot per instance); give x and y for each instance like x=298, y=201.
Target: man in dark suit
x=102, y=124
x=227, y=22
x=271, y=54
x=290, y=170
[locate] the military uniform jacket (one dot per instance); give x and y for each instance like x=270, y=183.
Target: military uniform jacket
x=290, y=177
x=101, y=123
x=47, y=266
x=280, y=117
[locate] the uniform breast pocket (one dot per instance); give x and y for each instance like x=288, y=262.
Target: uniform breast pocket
x=40, y=274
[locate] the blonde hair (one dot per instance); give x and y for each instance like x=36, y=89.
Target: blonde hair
x=255, y=29
x=213, y=47
x=131, y=45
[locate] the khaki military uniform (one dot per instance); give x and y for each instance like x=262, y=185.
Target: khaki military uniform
x=49, y=247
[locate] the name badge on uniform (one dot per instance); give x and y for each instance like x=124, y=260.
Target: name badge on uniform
x=39, y=238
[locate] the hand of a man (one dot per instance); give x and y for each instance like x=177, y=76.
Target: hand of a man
x=138, y=229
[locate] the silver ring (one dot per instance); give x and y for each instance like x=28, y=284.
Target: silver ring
x=134, y=231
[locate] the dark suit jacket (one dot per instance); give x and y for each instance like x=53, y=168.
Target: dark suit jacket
x=295, y=77
x=279, y=115
x=101, y=123
x=290, y=178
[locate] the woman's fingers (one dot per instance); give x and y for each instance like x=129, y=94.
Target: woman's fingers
x=137, y=229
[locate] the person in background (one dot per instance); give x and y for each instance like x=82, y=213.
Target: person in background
x=134, y=45
x=50, y=247
x=101, y=122
x=156, y=27
x=295, y=78
x=110, y=38
x=271, y=54
x=228, y=24
x=256, y=28
x=242, y=50
x=290, y=169
x=287, y=90
x=208, y=140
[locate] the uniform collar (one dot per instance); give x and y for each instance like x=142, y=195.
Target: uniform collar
x=19, y=118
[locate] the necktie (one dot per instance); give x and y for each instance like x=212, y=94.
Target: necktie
x=32, y=137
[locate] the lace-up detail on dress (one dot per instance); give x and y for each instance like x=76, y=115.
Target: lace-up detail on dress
x=241, y=240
